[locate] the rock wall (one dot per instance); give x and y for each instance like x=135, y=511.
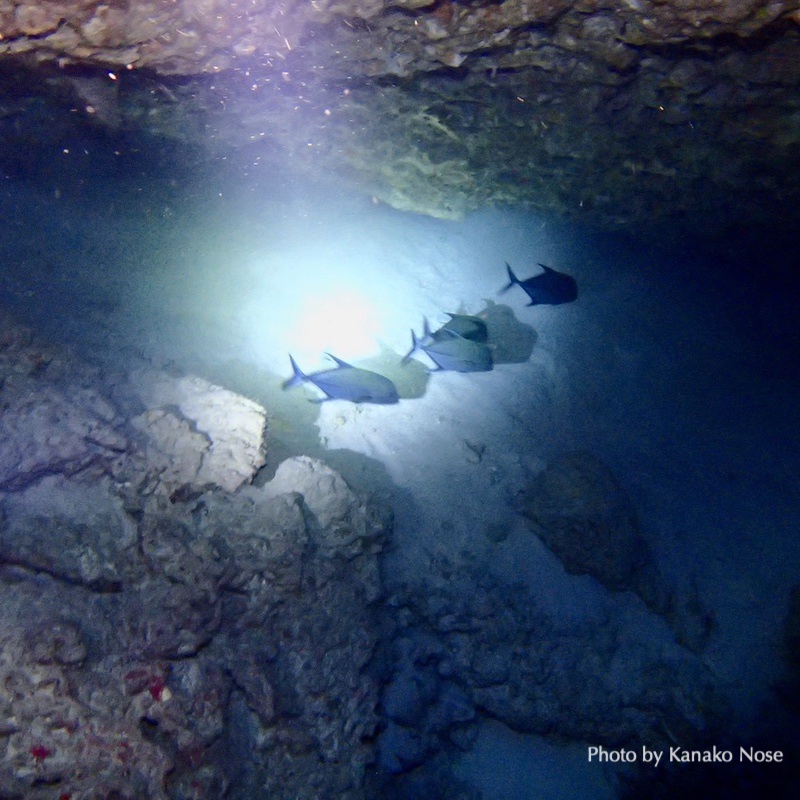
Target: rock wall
x=378, y=37
x=467, y=647
x=168, y=629
x=623, y=114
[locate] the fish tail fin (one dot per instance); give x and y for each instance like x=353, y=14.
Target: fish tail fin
x=512, y=278
x=426, y=329
x=297, y=378
x=414, y=347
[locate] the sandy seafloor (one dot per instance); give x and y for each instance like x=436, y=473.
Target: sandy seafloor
x=677, y=373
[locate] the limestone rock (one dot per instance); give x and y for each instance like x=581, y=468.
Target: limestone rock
x=143, y=642
x=579, y=510
x=79, y=534
x=64, y=726
x=631, y=113
x=57, y=421
x=146, y=609
x=198, y=434
x=582, y=514
x=341, y=518
x=175, y=38
x=54, y=418
x=586, y=680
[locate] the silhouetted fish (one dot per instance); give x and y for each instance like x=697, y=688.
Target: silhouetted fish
x=346, y=382
x=451, y=351
x=463, y=325
x=549, y=288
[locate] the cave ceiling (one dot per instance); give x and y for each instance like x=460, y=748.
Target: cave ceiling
x=620, y=113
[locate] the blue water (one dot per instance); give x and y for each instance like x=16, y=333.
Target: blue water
x=677, y=365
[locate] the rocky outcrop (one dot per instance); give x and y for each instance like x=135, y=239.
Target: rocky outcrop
x=197, y=434
x=583, y=515
x=53, y=419
x=395, y=37
x=129, y=645
x=580, y=511
x=168, y=629
x=57, y=421
x=621, y=115
x=467, y=647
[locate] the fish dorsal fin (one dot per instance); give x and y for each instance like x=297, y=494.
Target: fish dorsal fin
x=338, y=361
x=546, y=268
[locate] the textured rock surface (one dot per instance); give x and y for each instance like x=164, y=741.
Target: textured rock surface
x=466, y=644
x=621, y=114
x=379, y=36
x=199, y=434
x=123, y=685
x=169, y=631
x=53, y=419
x=582, y=514
x=579, y=510
x=56, y=421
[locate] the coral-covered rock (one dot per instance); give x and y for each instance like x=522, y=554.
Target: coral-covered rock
x=55, y=419
x=150, y=630
x=198, y=434
x=579, y=510
x=470, y=643
x=582, y=514
x=64, y=727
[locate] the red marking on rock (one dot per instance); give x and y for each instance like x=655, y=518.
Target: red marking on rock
x=40, y=753
x=156, y=688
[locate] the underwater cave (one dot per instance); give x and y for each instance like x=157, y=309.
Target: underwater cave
x=399, y=400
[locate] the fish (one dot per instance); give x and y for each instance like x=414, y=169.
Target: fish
x=451, y=351
x=548, y=288
x=465, y=325
x=346, y=382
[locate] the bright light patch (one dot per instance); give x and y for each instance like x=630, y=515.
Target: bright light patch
x=342, y=322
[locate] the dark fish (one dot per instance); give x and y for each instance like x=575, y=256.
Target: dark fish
x=463, y=325
x=451, y=352
x=346, y=382
x=549, y=288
